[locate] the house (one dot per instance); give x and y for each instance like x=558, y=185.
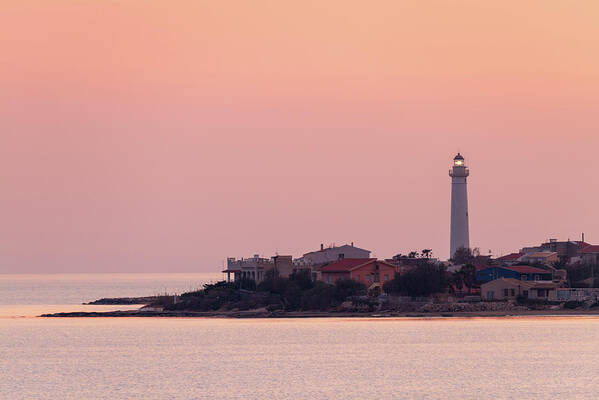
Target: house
x=369, y=271
x=510, y=289
x=255, y=267
x=247, y=268
x=510, y=259
x=521, y=272
x=330, y=254
x=567, y=251
x=542, y=257
x=504, y=289
x=590, y=255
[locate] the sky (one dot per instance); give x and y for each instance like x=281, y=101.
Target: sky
x=161, y=136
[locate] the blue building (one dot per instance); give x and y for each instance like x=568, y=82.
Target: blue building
x=521, y=272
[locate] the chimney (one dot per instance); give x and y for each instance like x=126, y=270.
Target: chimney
x=352, y=244
x=583, y=236
x=341, y=256
x=321, y=246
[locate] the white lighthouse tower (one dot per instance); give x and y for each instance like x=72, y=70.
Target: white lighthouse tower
x=459, y=206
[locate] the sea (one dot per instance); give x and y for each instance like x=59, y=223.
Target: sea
x=329, y=358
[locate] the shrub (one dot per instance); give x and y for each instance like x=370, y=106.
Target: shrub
x=320, y=297
x=573, y=304
x=345, y=288
x=303, y=279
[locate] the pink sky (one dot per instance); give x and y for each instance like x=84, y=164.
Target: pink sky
x=166, y=136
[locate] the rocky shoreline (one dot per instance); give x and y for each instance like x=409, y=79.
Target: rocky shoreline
x=321, y=314
x=347, y=309
x=123, y=301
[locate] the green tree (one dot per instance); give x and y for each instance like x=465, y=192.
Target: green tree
x=303, y=278
x=468, y=274
x=345, y=288
x=424, y=280
x=320, y=297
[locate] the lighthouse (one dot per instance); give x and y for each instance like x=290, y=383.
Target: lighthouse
x=460, y=237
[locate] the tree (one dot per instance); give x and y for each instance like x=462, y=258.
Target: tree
x=468, y=274
x=319, y=297
x=424, y=280
x=413, y=254
x=394, y=285
x=458, y=280
x=427, y=253
x=463, y=255
x=303, y=278
x=345, y=288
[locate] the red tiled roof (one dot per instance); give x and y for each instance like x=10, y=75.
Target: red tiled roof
x=590, y=249
x=525, y=269
x=510, y=257
x=347, y=264
x=581, y=245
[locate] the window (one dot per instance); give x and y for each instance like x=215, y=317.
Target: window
x=525, y=293
x=377, y=277
x=367, y=278
x=522, y=277
x=537, y=277
x=490, y=295
x=358, y=278
x=386, y=277
x=513, y=292
x=328, y=278
x=541, y=293
x=505, y=293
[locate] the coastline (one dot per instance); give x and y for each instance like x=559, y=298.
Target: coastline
x=318, y=314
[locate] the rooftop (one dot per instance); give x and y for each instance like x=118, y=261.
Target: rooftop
x=510, y=257
x=336, y=248
x=348, y=264
x=590, y=249
x=541, y=254
x=525, y=269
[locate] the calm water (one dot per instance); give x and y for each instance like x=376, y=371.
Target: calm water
x=147, y=358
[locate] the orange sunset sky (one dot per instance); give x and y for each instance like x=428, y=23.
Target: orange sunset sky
x=167, y=135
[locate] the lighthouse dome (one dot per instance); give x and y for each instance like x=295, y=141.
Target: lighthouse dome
x=458, y=161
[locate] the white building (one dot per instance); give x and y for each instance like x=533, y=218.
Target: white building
x=460, y=237
x=247, y=268
x=330, y=254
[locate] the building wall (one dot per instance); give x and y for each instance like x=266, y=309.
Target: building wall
x=332, y=277
x=498, y=288
x=590, y=258
x=284, y=265
x=546, y=260
x=542, y=294
x=489, y=274
x=575, y=294
x=367, y=274
x=250, y=268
